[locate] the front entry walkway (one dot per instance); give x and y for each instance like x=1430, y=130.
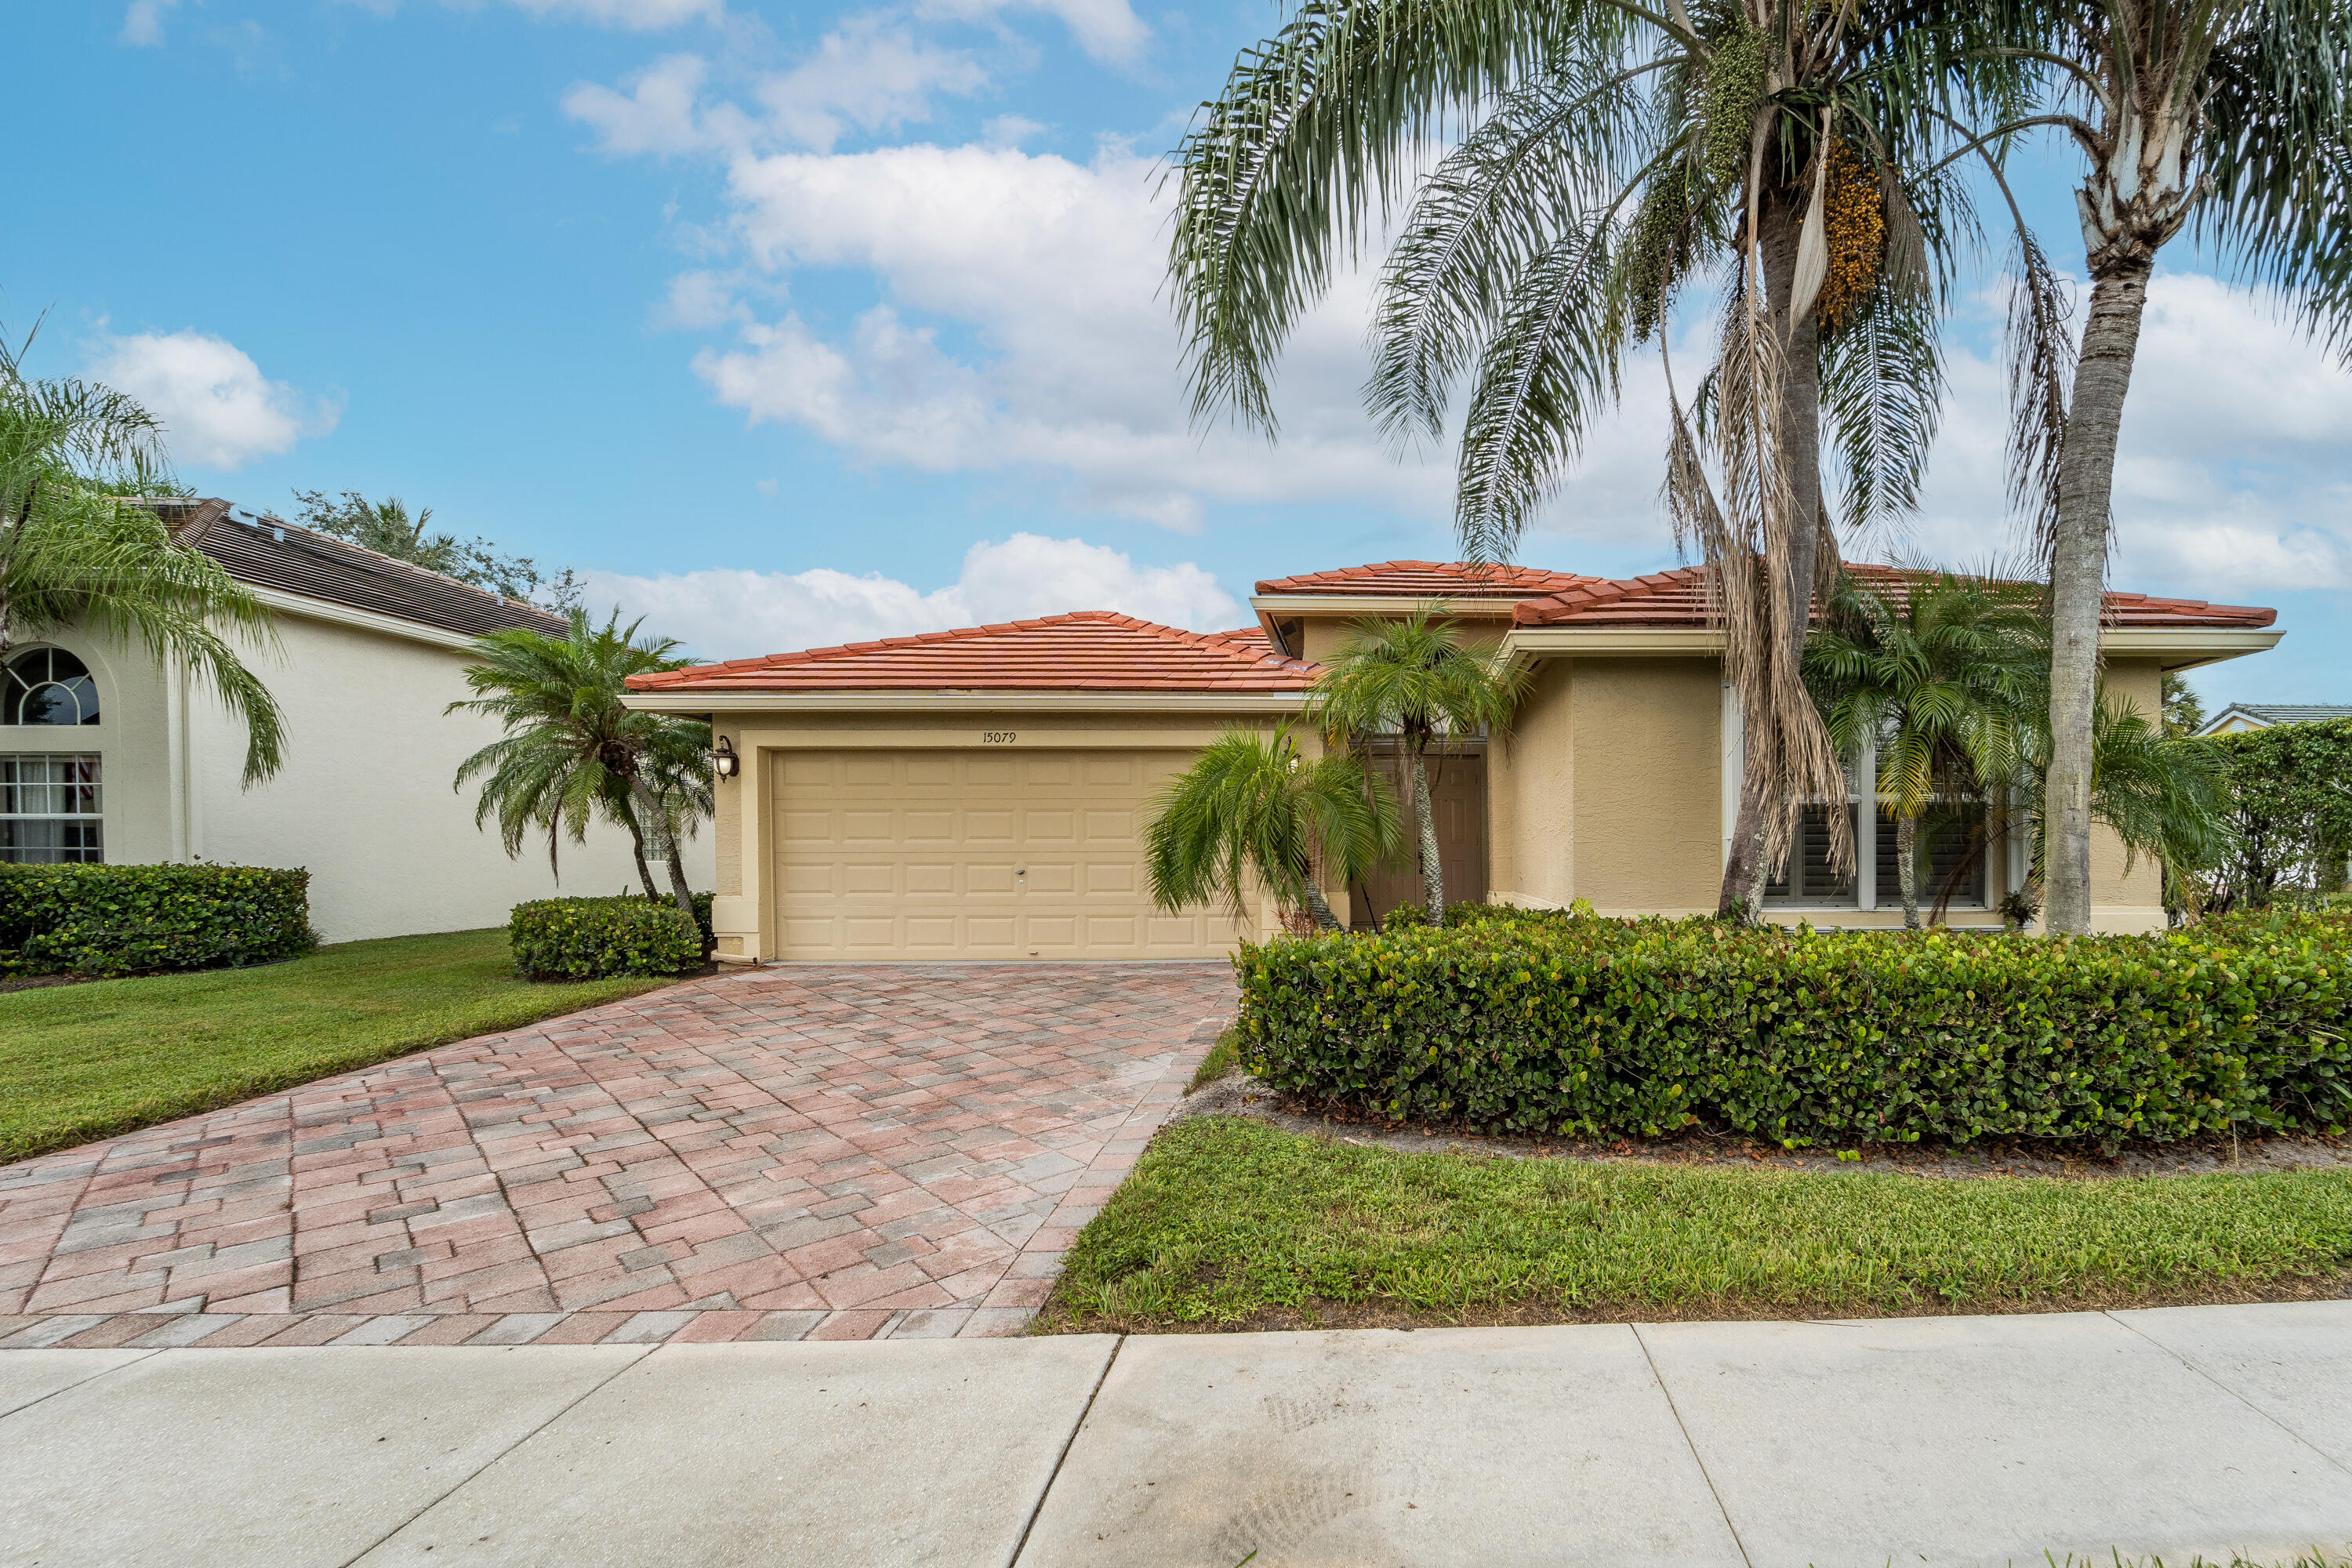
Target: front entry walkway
x=834, y=1152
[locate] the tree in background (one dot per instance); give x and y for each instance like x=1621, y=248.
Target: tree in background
x=1414, y=678
x=2236, y=114
x=1250, y=805
x=2290, y=822
x=1941, y=675
x=386, y=527
x=2184, y=710
x=74, y=551
x=572, y=751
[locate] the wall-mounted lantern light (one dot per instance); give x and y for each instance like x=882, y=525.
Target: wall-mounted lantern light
x=723, y=760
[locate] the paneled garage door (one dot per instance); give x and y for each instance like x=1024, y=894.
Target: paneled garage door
x=974, y=854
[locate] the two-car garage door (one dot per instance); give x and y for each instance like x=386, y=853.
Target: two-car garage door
x=974, y=854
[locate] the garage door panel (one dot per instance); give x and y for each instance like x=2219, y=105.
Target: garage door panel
x=975, y=855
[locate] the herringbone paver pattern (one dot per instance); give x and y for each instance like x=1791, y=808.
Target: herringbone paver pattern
x=817, y=1150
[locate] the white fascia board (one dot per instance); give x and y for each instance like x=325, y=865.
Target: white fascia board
x=284, y=603
x=964, y=702
x=2194, y=645
x=2189, y=647
x=1367, y=605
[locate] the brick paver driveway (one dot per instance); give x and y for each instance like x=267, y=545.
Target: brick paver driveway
x=840, y=1151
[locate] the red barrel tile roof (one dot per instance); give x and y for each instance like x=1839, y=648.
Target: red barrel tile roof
x=1428, y=579
x=1678, y=598
x=1091, y=650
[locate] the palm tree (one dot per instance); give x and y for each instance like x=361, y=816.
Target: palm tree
x=572, y=750
x=74, y=550
x=1941, y=674
x=2236, y=115
x=1609, y=154
x=1414, y=678
x=1250, y=805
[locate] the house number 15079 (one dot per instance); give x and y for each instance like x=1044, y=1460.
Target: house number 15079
x=997, y=737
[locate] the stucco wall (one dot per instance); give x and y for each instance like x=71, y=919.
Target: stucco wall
x=1648, y=783
x=363, y=800
x=2132, y=898
x=1531, y=795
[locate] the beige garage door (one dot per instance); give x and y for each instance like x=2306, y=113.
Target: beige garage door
x=974, y=854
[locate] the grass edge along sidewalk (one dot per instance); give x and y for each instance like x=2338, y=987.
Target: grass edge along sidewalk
x=1226, y=1224
x=83, y=1062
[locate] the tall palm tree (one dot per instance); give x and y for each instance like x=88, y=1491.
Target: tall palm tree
x=1250, y=805
x=2234, y=116
x=1941, y=675
x=74, y=549
x=1414, y=678
x=1609, y=153
x=572, y=751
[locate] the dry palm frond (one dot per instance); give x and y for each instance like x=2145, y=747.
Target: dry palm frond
x=2040, y=354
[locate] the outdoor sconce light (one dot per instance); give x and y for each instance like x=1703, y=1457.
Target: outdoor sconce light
x=723, y=761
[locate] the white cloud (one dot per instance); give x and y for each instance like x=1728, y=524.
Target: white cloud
x=739, y=614
x=1109, y=30
x=142, y=23
x=656, y=115
x=866, y=75
x=1023, y=325
x=217, y=410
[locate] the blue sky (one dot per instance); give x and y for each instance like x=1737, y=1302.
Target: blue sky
x=796, y=324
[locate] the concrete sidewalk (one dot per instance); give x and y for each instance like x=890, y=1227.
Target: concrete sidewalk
x=1950, y=1440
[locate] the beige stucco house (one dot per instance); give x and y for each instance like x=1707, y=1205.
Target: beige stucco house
x=978, y=794
x=106, y=755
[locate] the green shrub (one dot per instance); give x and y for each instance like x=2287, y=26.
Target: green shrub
x=132, y=919
x=588, y=938
x=1548, y=1024
x=701, y=916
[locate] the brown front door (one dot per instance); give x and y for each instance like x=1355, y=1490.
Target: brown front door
x=1457, y=785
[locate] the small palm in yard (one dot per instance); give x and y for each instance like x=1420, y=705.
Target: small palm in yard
x=1944, y=677
x=73, y=551
x=572, y=752
x=1252, y=806
x=1414, y=678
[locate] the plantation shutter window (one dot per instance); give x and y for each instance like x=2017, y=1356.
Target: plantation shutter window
x=49, y=809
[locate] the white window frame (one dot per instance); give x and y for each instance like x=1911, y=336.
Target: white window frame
x=95, y=816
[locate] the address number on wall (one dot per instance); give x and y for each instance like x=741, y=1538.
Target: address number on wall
x=997, y=737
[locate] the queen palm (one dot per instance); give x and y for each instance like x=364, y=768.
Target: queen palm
x=2234, y=116
x=1251, y=807
x=76, y=549
x=572, y=752
x=1414, y=678
x=1941, y=675
x=1611, y=153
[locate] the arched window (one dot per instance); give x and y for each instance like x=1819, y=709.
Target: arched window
x=47, y=686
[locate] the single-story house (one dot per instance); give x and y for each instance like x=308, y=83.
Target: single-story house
x=106, y=755
x=980, y=793
x=2240, y=717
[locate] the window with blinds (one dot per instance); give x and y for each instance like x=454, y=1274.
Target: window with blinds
x=49, y=809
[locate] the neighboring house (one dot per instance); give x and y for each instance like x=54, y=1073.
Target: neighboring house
x=978, y=794
x=115, y=758
x=2240, y=717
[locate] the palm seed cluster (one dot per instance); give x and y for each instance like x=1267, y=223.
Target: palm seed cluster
x=1854, y=214
x=1736, y=81
x=1660, y=245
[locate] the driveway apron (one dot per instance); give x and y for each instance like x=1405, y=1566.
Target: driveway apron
x=822, y=1151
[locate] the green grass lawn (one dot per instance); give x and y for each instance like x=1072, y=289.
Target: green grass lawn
x=1229, y=1222
x=78, y=1062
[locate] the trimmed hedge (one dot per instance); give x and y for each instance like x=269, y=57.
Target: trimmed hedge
x=701, y=916
x=590, y=938
x=1550, y=1023
x=135, y=919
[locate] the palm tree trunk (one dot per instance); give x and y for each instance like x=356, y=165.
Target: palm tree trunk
x=1906, y=866
x=2078, y=570
x=664, y=841
x=1319, y=906
x=1433, y=870
x=645, y=872
x=1779, y=225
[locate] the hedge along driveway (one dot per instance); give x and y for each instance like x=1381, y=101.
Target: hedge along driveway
x=1543, y=1024
x=78, y=1062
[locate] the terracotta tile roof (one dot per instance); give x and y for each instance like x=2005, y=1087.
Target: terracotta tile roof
x=1091, y=650
x=1428, y=579
x=270, y=553
x=1678, y=598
